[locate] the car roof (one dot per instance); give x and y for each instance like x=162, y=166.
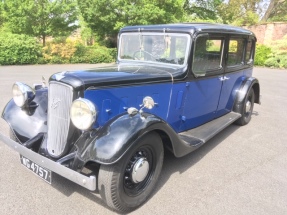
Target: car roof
x=190, y=28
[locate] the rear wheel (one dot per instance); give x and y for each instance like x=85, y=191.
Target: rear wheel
x=128, y=183
x=247, y=108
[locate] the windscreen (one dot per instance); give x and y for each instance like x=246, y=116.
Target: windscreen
x=154, y=47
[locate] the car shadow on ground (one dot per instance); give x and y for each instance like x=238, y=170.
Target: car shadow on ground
x=68, y=187
x=172, y=164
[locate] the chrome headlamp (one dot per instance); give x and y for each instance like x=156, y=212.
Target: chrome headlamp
x=83, y=113
x=22, y=93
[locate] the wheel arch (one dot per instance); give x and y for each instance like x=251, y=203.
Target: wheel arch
x=256, y=88
x=111, y=142
x=166, y=140
x=249, y=83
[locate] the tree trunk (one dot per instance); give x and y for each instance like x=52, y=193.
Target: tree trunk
x=44, y=40
x=271, y=9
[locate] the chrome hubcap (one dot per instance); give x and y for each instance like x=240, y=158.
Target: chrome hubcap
x=247, y=107
x=140, y=170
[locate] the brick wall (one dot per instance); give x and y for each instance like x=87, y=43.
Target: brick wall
x=267, y=33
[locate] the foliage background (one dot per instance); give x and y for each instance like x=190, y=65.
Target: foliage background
x=37, y=31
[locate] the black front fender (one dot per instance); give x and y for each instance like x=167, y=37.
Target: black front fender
x=109, y=143
x=27, y=122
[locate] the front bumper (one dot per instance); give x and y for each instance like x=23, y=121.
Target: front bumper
x=84, y=181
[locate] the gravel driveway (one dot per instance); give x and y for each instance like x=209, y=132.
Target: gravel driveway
x=243, y=170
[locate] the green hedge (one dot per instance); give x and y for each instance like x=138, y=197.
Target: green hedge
x=92, y=54
x=18, y=49
x=261, y=55
x=278, y=57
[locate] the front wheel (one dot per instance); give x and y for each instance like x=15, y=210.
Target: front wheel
x=128, y=183
x=247, y=108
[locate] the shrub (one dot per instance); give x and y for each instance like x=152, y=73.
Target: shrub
x=261, y=54
x=278, y=57
x=59, y=51
x=113, y=53
x=18, y=49
x=92, y=54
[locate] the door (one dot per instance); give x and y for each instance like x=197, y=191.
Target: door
x=203, y=92
x=233, y=74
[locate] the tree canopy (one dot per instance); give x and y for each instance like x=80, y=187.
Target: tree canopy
x=44, y=18
x=107, y=17
x=1, y=14
x=41, y=18
x=240, y=12
x=202, y=9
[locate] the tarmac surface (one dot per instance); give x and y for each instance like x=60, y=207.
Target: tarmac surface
x=242, y=170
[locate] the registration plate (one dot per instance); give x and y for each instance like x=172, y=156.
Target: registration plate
x=43, y=173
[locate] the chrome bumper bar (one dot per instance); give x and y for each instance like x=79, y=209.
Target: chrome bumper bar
x=84, y=181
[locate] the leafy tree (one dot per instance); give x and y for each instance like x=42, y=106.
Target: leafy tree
x=202, y=9
x=107, y=17
x=240, y=12
x=87, y=34
x=1, y=14
x=41, y=18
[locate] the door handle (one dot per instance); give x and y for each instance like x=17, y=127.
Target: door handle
x=221, y=78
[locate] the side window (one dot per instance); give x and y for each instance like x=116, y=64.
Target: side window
x=235, y=52
x=249, y=52
x=207, y=57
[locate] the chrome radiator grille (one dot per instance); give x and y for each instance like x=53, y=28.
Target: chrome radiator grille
x=59, y=103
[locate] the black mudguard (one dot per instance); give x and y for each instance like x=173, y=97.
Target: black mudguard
x=29, y=121
x=109, y=143
x=242, y=92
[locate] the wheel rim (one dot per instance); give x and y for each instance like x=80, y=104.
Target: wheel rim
x=248, y=106
x=138, y=171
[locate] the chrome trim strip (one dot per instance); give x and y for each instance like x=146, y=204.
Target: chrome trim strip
x=84, y=181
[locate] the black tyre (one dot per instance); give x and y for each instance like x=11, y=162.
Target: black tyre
x=127, y=184
x=247, y=108
x=12, y=135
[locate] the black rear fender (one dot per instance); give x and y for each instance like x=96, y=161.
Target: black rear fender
x=250, y=83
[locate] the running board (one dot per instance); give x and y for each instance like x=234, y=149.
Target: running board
x=200, y=135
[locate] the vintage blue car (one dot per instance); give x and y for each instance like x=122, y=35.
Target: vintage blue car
x=174, y=86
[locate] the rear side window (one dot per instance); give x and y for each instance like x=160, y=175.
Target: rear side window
x=249, y=51
x=235, y=52
x=207, y=57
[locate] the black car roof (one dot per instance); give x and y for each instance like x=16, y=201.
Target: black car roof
x=190, y=28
